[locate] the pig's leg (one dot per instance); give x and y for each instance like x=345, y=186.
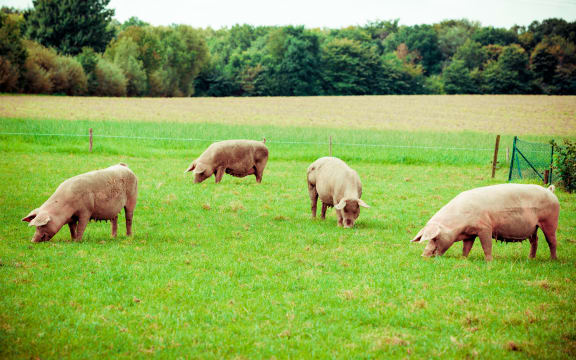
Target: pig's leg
x=340, y=219
x=259, y=171
x=533, y=244
x=82, y=222
x=73, y=224
x=114, y=225
x=486, y=241
x=313, y=198
x=129, y=212
x=324, y=207
x=550, y=233
x=219, y=173
x=467, y=246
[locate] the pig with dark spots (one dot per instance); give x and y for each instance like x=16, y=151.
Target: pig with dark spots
x=337, y=185
x=506, y=212
x=238, y=158
x=96, y=195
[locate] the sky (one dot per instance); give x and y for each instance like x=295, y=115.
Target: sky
x=333, y=13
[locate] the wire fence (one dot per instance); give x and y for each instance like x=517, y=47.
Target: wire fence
x=531, y=160
x=449, y=148
x=104, y=136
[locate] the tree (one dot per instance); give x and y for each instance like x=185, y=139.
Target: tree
x=70, y=25
x=421, y=39
x=183, y=54
x=349, y=68
x=295, y=55
x=495, y=36
x=457, y=79
x=553, y=63
x=12, y=52
x=472, y=54
x=508, y=75
x=124, y=54
x=452, y=34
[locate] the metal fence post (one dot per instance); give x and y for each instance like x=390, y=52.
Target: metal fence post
x=512, y=158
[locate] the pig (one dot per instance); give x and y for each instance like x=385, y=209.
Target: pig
x=338, y=186
x=505, y=212
x=95, y=195
x=238, y=158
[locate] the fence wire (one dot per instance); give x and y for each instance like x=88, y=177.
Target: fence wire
x=531, y=161
x=268, y=141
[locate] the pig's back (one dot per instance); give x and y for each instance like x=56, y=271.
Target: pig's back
x=509, y=195
x=334, y=178
x=234, y=151
x=102, y=192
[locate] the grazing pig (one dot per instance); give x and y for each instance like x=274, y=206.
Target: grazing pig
x=96, y=195
x=337, y=185
x=235, y=157
x=506, y=212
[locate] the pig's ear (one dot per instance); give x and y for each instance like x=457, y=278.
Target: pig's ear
x=200, y=168
x=41, y=219
x=341, y=205
x=430, y=232
x=362, y=203
x=418, y=236
x=31, y=216
x=191, y=167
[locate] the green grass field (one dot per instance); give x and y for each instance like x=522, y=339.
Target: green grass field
x=240, y=270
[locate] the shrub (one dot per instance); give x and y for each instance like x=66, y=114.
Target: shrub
x=8, y=75
x=566, y=163
x=47, y=72
x=69, y=77
x=109, y=78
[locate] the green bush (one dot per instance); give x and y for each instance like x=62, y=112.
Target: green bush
x=8, y=75
x=110, y=80
x=566, y=163
x=68, y=77
x=39, y=63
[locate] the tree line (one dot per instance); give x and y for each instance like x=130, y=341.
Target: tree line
x=75, y=47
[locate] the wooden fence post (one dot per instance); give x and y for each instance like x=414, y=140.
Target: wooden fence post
x=330, y=145
x=507, y=154
x=495, y=161
x=546, y=177
x=90, y=139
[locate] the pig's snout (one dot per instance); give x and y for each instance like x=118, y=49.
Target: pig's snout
x=348, y=223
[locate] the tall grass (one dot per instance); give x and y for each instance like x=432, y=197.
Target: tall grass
x=187, y=140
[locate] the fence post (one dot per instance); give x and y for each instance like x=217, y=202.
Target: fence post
x=264, y=140
x=546, y=177
x=512, y=158
x=507, y=154
x=90, y=139
x=495, y=161
x=330, y=145
x=551, y=164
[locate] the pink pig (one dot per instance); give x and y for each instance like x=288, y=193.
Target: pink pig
x=96, y=195
x=506, y=212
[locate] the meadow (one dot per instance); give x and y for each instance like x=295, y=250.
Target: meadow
x=240, y=270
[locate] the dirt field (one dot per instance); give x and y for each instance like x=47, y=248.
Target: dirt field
x=517, y=115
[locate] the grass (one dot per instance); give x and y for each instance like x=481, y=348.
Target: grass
x=239, y=270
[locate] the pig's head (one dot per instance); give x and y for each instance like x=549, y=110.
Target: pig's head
x=439, y=239
x=201, y=171
x=45, y=227
x=350, y=210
